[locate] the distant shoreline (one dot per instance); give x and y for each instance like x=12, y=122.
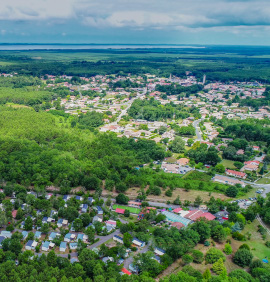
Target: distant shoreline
x=40, y=46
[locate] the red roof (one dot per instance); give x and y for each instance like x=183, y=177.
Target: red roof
x=151, y=208
x=234, y=172
x=122, y=211
x=208, y=216
x=177, y=210
x=252, y=162
x=14, y=213
x=124, y=270
x=178, y=225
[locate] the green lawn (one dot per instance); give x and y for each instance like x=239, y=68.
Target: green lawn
x=256, y=243
x=228, y=164
x=132, y=210
x=263, y=181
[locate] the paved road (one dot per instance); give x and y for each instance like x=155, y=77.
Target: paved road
x=103, y=239
x=129, y=260
x=197, y=129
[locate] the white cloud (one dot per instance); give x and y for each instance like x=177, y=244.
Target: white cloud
x=141, y=14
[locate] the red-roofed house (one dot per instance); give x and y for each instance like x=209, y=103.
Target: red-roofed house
x=235, y=173
x=14, y=213
x=178, y=225
x=177, y=210
x=121, y=211
x=197, y=214
x=134, y=204
x=125, y=271
x=256, y=148
x=252, y=162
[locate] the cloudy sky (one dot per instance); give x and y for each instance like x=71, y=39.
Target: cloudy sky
x=140, y=21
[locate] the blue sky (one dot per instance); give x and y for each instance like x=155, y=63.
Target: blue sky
x=230, y=22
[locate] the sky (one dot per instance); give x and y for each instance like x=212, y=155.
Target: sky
x=242, y=22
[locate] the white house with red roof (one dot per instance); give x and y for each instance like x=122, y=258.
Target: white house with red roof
x=235, y=173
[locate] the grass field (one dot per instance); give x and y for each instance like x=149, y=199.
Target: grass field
x=263, y=181
x=228, y=164
x=132, y=210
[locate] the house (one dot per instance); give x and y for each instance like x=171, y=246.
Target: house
x=90, y=200
x=44, y=219
x=133, y=269
x=14, y=213
x=177, y=225
x=72, y=260
x=196, y=214
x=157, y=258
x=24, y=234
x=183, y=161
x=73, y=246
x=37, y=235
x=22, y=225
x=66, y=198
x=82, y=237
x=134, y=204
x=6, y=234
x=120, y=211
x=107, y=259
x=159, y=252
x=118, y=239
x=62, y=222
x=97, y=219
x=48, y=196
x=111, y=223
x=138, y=242
x=99, y=210
x=69, y=237
x=256, y=148
x=235, y=173
x=2, y=238
x=45, y=246
x=177, y=210
x=79, y=198
x=53, y=235
x=31, y=245
x=125, y=271
x=84, y=208
x=228, y=180
x=63, y=247
x=240, y=152
x=250, y=167
x=28, y=245
x=109, y=228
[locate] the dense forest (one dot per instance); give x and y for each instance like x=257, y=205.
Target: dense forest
x=219, y=63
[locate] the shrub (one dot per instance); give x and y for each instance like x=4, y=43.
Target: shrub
x=267, y=244
x=218, y=267
x=243, y=257
x=238, y=236
x=213, y=255
x=197, y=256
x=241, y=275
x=227, y=249
x=244, y=246
x=187, y=259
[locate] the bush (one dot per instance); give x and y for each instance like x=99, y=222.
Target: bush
x=238, y=236
x=218, y=267
x=267, y=244
x=187, y=259
x=213, y=255
x=243, y=257
x=197, y=256
x=241, y=275
x=227, y=249
x=168, y=193
x=244, y=246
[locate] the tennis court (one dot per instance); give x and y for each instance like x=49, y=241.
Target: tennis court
x=132, y=210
